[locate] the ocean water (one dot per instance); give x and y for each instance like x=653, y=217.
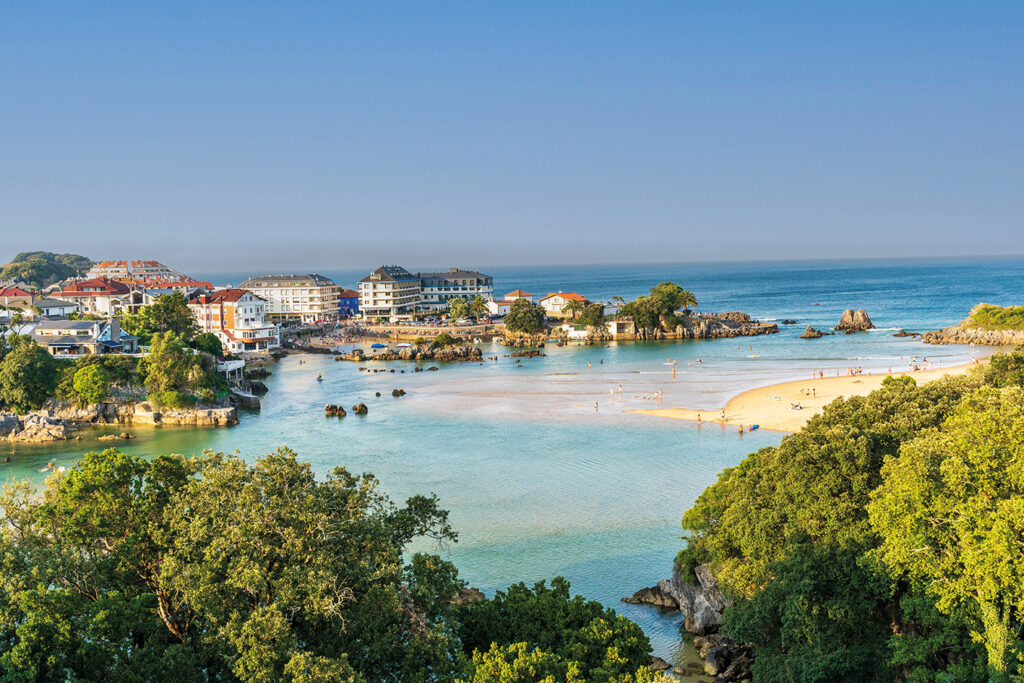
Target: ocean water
x=540, y=484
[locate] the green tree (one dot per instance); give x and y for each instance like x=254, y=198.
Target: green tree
x=172, y=368
x=645, y=311
x=950, y=514
x=168, y=313
x=28, y=375
x=821, y=618
x=211, y=569
x=593, y=316
x=478, y=307
x=458, y=308
x=525, y=316
x=573, y=307
x=207, y=342
x=579, y=635
x=91, y=384
x=1006, y=369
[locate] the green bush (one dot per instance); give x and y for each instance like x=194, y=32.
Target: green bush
x=442, y=340
x=91, y=385
x=988, y=317
x=172, y=399
x=206, y=396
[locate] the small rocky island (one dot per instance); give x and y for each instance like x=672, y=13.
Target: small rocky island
x=425, y=351
x=709, y=326
x=854, y=321
x=985, y=324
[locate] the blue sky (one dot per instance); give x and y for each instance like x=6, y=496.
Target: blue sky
x=324, y=135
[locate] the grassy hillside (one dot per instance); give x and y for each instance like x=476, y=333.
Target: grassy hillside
x=42, y=268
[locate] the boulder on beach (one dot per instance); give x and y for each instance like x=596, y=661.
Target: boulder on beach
x=854, y=321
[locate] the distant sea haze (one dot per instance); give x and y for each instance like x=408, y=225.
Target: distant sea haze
x=916, y=295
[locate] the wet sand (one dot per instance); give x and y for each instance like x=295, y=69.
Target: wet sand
x=771, y=407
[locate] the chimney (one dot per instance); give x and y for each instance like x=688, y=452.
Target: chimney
x=115, y=330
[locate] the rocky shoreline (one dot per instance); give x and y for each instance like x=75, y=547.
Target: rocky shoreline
x=61, y=421
x=702, y=605
x=964, y=332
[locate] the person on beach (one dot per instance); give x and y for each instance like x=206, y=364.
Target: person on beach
x=723, y=414
x=588, y=364
x=595, y=406
x=698, y=418
x=620, y=392
x=673, y=372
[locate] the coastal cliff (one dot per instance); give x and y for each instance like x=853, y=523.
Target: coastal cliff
x=985, y=324
x=59, y=421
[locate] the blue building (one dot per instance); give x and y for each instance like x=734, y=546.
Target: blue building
x=348, y=302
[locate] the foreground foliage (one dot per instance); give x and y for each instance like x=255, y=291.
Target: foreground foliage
x=883, y=540
x=212, y=569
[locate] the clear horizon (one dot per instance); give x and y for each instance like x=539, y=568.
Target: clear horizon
x=339, y=136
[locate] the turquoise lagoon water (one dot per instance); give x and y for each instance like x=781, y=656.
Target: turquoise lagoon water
x=538, y=483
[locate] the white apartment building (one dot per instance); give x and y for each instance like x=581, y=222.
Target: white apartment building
x=389, y=292
x=438, y=289
x=237, y=317
x=308, y=298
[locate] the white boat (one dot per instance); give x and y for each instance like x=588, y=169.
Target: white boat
x=404, y=345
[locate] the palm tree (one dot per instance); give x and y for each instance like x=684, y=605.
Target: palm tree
x=478, y=306
x=687, y=299
x=573, y=307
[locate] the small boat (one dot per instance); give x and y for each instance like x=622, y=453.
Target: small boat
x=404, y=345
x=753, y=427
x=378, y=345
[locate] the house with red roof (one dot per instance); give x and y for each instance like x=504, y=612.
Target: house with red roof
x=238, y=318
x=554, y=303
x=97, y=295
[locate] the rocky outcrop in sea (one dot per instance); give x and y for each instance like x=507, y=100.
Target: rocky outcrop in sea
x=457, y=352
x=965, y=333
x=854, y=321
x=711, y=326
x=811, y=333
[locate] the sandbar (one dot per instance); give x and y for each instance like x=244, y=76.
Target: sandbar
x=771, y=407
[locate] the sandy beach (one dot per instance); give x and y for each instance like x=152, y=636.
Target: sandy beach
x=771, y=407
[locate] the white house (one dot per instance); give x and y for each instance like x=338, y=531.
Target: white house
x=499, y=308
x=555, y=302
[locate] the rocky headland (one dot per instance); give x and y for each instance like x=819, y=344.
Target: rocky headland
x=970, y=331
x=60, y=421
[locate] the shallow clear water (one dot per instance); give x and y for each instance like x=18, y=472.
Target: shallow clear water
x=538, y=483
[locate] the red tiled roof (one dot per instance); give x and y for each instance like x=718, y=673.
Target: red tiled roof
x=568, y=296
x=348, y=294
x=101, y=285
x=14, y=291
x=518, y=293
